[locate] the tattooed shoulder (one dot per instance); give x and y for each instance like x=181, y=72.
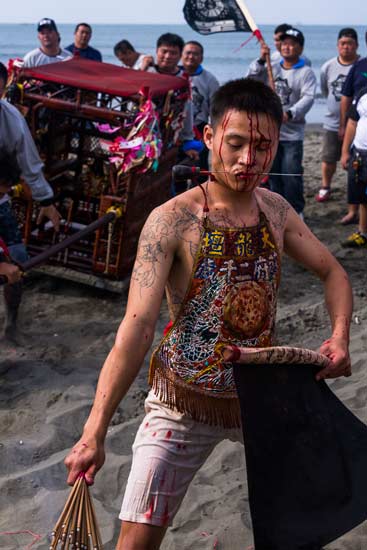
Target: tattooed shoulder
x=277, y=207
x=163, y=229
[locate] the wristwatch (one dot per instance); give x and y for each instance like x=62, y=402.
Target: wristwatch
x=290, y=115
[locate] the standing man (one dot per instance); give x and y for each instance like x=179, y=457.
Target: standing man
x=332, y=77
x=295, y=84
x=206, y=248
x=49, y=50
x=168, y=54
x=354, y=159
x=81, y=48
x=203, y=85
x=130, y=58
x=18, y=155
x=355, y=81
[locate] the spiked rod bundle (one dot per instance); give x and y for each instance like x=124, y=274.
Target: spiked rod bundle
x=77, y=526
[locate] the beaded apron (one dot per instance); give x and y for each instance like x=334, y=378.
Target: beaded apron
x=232, y=300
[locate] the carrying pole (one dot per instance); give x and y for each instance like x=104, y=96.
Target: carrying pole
x=256, y=31
x=109, y=217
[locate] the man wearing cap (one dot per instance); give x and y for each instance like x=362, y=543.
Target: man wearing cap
x=81, y=48
x=49, y=50
x=295, y=83
x=332, y=77
x=276, y=55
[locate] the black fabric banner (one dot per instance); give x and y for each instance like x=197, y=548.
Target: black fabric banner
x=306, y=457
x=210, y=16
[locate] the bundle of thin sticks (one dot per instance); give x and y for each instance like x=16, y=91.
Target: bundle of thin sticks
x=77, y=527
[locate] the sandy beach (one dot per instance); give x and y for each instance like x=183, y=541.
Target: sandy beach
x=47, y=385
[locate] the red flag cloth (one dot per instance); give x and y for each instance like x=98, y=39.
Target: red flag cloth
x=105, y=77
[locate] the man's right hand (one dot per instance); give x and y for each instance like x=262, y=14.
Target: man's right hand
x=11, y=271
x=86, y=456
x=345, y=160
x=264, y=51
x=148, y=61
x=52, y=214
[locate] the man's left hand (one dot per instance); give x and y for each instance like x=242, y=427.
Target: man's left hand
x=52, y=214
x=337, y=350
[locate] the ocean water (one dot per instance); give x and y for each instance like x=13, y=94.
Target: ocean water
x=222, y=56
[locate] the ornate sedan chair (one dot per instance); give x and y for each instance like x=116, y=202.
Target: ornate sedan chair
x=108, y=137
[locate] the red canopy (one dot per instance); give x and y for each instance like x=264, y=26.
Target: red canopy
x=105, y=77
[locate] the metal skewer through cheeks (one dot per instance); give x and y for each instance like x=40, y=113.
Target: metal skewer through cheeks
x=181, y=171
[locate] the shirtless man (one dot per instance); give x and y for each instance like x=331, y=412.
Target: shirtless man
x=205, y=247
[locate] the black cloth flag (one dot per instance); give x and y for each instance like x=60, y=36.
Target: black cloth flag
x=306, y=457
x=210, y=16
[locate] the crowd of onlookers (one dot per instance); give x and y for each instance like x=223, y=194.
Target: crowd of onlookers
x=341, y=79
x=343, y=83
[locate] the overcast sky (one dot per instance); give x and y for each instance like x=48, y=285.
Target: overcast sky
x=322, y=12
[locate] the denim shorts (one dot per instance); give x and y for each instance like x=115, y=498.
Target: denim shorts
x=9, y=230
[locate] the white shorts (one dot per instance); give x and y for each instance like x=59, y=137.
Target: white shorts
x=168, y=450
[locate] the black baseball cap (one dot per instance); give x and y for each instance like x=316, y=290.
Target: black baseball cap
x=46, y=22
x=348, y=32
x=295, y=34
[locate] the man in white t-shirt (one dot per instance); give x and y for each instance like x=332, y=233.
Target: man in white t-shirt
x=49, y=50
x=130, y=58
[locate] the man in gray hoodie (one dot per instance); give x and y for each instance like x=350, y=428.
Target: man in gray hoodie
x=333, y=74
x=295, y=83
x=203, y=86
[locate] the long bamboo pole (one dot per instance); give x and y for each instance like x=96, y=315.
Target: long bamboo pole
x=259, y=36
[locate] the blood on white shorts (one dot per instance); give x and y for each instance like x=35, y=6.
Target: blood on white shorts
x=169, y=449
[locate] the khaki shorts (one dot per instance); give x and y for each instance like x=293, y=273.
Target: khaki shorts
x=169, y=449
x=331, y=147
